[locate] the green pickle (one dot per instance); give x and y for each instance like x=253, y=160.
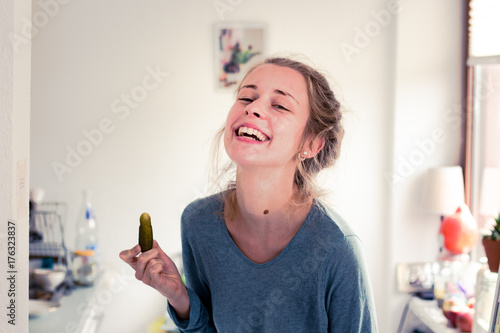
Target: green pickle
x=145, y=233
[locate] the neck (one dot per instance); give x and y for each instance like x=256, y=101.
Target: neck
x=257, y=193
x=264, y=213
x=267, y=201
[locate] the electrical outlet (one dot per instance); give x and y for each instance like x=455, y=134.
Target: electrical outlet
x=416, y=277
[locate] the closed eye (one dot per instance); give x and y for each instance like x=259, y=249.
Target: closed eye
x=280, y=107
x=245, y=100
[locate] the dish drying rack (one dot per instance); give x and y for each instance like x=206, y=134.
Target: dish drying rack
x=46, y=233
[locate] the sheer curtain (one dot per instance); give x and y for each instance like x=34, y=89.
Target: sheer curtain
x=483, y=111
x=485, y=194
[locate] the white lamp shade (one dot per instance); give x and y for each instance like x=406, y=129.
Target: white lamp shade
x=443, y=190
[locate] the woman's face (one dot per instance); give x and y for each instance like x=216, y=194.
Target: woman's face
x=265, y=125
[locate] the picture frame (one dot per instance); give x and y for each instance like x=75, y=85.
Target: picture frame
x=237, y=47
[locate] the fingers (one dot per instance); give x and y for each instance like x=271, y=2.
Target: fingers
x=142, y=262
x=130, y=256
x=150, y=264
x=153, y=270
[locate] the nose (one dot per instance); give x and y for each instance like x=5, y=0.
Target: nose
x=255, y=113
x=255, y=109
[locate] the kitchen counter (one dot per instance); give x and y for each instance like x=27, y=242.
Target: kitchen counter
x=75, y=313
x=117, y=302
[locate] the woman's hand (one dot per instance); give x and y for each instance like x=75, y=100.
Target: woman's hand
x=157, y=270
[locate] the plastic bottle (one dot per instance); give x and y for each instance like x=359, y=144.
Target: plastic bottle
x=85, y=266
x=483, y=268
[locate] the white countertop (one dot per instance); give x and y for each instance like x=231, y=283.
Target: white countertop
x=117, y=302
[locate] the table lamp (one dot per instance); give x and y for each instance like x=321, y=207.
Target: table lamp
x=443, y=193
x=443, y=190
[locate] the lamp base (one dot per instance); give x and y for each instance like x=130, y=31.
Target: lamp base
x=445, y=255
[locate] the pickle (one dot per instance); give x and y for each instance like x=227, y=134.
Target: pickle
x=145, y=233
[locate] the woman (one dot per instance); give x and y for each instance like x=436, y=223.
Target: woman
x=266, y=255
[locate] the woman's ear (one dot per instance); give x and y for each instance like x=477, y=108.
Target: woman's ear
x=314, y=146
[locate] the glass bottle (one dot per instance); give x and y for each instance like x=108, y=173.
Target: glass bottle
x=483, y=268
x=484, y=302
x=86, y=244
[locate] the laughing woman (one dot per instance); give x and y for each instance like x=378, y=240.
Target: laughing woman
x=266, y=255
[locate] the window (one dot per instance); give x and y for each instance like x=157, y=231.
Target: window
x=482, y=165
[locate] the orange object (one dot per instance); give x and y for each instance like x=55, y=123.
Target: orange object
x=84, y=253
x=459, y=231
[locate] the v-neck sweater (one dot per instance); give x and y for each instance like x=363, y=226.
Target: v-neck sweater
x=317, y=283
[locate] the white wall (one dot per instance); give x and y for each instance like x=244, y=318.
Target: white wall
x=15, y=72
x=155, y=159
x=427, y=125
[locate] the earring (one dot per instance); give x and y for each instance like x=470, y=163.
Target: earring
x=303, y=156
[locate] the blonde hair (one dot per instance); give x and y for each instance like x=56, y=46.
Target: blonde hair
x=324, y=122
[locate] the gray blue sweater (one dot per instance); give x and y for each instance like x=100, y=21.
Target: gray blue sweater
x=318, y=283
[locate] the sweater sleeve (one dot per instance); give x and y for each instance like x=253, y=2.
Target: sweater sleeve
x=349, y=298
x=200, y=318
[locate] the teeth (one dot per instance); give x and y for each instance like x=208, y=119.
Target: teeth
x=251, y=131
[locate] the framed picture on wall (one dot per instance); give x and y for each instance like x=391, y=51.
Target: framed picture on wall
x=238, y=46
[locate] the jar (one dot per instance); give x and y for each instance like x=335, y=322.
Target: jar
x=440, y=281
x=84, y=267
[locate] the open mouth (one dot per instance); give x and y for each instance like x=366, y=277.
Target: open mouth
x=251, y=133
